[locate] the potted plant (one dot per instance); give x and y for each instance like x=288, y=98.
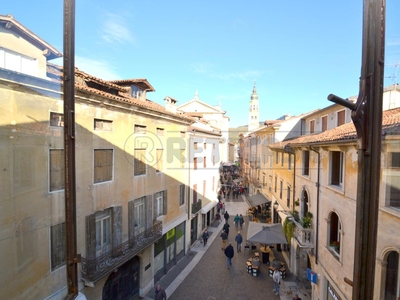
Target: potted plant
x=306, y=221
x=336, y=246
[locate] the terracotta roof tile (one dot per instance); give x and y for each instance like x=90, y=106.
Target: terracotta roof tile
x=346, y=132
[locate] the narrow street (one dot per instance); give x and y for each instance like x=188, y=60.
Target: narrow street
x=206, y=275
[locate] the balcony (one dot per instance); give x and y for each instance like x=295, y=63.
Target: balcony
x=196, y=207
x=94, y=269
x=304, y=236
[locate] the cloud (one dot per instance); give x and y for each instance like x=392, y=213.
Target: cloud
x=99, y=68
x=208, y=70
x=114, y=30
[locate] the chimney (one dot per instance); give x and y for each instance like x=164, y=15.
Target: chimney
x=170, y=104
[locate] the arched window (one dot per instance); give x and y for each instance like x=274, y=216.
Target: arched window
x=335, y=232
x=392, y=286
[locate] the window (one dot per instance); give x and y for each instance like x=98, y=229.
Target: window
x=341, y=117
x=104, y=125
x=270, y=161
x=213, y=183
x=288, y=196
x=392, y=286
x=140, y=162
x=195, y=193
x=270, y=183
x=58, y=246
x=392, y=177
x=183, y=134
x=103, y=165
x=276, y=183
x=182, y=189
x=289, y=161
x=195, y=145
x=195, y=163
x=335, y=230
x=103, y=232
x=324, y=121
x=56, y=171
x=16, y=62
x=139, y=215
x=213, y=160
x=159, y=162
x=160, y=204
x=182, y=158
x=136, y=92
x=140, y=129
x=306, y=163
x=277, y=157
x=205, y=146
x=280, y=189
x=205, y=161
x=160, y=131
x=56, y=119
x=336, y=166
x=283, y=159
x=312, y=125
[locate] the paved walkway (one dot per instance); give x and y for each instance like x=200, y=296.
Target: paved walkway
x=203, y=273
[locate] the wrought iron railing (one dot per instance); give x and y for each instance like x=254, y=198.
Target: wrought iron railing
x=196, y=206
x=94, y=269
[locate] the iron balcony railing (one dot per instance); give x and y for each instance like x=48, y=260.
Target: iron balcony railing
x=196, y=207
x=94, y=269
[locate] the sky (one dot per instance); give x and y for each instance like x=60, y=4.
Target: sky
x=296, y=52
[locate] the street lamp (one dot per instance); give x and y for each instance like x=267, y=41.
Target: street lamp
x=276, y=205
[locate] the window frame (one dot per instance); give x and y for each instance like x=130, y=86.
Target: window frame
x=58, y=246
x=139, y=167
x=61, y=171
x=102, y=125
x=53, y=117
x=305, y=163
x=336, y=168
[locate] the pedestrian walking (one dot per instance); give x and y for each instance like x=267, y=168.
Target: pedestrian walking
x=226, y=228
x=277, y=281
x=296, y=297
x=160, y=293
x=229, y=253
x=241, y=221
x=226, y=216
x=224, y=238
x=205, y=237
x=236, y=221
x=218, y=218
x=239, y=240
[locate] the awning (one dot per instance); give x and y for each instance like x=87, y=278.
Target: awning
x=257, y=199
x=239, y=180
x=206, y=208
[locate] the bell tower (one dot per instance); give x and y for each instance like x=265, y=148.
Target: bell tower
x=253, y=112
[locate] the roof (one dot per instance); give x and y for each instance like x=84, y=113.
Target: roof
x=111, y=91
x=346, y=132
x=140, y=82
x=10, y=23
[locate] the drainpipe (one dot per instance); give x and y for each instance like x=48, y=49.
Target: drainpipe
x=317, y=227
x=290, y=150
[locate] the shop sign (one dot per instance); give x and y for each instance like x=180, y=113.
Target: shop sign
x=170, y=233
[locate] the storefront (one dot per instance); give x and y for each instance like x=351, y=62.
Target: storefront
x=169, y=250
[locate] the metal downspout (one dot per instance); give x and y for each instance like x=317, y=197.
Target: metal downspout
x=316, y=229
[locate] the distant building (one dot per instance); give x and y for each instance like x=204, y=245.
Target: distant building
x=253, y=111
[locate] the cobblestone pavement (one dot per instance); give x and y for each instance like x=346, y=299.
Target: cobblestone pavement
x=203, y=273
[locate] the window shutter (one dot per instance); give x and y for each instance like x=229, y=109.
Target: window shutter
x=91, y=236
x=131, y=219
x=149, y=212
x=155, y=206
x=165, y=203
x=116, y=226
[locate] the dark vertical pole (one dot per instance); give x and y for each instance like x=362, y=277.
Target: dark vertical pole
x=69, y=146
x=367, y=118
